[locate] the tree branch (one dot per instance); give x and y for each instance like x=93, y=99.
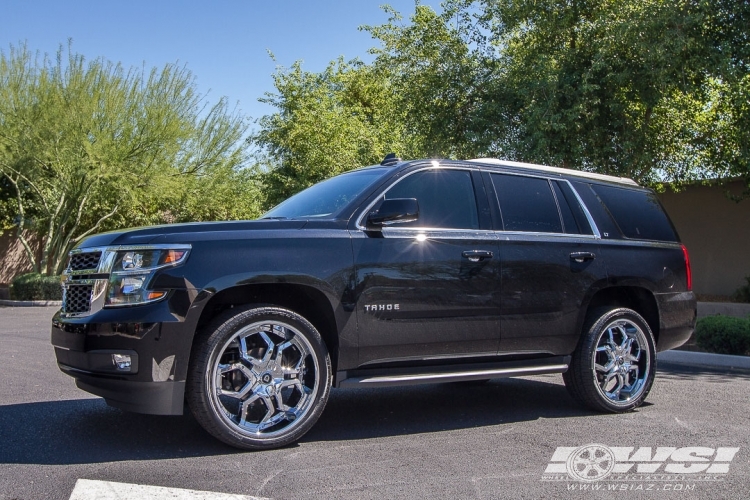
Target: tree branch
x=96, y=226
x=22, y=215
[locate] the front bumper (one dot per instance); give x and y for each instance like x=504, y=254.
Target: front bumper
x=155, y=398
x=157, y=337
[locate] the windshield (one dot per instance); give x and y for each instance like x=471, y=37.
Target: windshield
x=327, y=197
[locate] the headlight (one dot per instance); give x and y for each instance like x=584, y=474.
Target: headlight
x=132, y=270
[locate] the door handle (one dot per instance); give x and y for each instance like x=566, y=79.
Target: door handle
x=581, y=257
x=477, y=255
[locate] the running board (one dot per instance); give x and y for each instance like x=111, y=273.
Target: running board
x=558, y=364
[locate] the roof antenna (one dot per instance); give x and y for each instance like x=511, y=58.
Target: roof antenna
x=390, y=160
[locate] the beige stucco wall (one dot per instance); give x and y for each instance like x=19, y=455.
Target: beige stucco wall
x=716, y=231
x=13, y=259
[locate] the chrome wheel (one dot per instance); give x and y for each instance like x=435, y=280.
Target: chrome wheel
x=259, y=377
x=262, y=381
x=621, y=362
x=613, y=367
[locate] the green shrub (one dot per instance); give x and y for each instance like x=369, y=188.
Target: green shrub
x=742, y=294
x=724, y=335
x=34, y=286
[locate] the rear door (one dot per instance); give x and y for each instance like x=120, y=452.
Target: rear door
x=550, y=261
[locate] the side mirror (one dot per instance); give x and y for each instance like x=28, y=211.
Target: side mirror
x=394, y=211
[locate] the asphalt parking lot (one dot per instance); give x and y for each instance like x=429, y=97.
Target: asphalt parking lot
x=439, y=441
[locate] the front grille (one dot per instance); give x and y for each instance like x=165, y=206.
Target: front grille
x=77, y=298
x=84, y=261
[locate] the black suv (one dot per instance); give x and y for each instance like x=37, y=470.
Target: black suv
x=401, y=273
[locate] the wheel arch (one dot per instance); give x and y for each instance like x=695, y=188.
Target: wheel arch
x=637, y=298
x=307, y=301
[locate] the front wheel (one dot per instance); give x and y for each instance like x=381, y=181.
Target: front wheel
x=613, y=368
x=259, y=377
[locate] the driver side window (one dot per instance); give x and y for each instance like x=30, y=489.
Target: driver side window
x=445, y=197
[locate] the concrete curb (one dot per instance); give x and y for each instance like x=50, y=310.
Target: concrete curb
x=30, y=303
x=705, y=359
x=734, y=309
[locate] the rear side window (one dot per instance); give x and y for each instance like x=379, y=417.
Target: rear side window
x=601, y=216
x=527, y=204
x=446, y=198
x=574, y=218
x=638, y=213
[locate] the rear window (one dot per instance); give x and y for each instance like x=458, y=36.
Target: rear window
x=638, y=213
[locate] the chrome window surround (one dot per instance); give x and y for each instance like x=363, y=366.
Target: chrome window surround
x=596, y=235
x=586, y=212
x=443, y=234
x=99, y=282
x=442, y=231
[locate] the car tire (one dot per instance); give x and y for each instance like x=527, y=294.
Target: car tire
x=259, y=377
x=613, y=368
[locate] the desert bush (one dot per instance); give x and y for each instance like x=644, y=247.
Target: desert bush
x=34, y=286
x=724, y=335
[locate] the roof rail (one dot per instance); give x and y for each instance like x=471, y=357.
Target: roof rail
x=545, y=168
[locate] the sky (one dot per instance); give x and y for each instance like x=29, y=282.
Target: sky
x=224, y=43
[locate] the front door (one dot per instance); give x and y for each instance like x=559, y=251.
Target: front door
x=429, y=290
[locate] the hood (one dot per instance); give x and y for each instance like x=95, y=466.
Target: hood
x=178, y=232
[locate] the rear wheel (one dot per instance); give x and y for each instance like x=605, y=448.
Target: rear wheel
x=613, y=368
x=259, y=377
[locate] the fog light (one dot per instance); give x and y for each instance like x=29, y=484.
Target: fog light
x=121, y=361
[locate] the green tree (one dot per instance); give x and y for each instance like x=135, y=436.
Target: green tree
x=326, y=123
x=648, y=89
x=726, y=136
x=582, y=84
x=438, y=81
x=221, y=192
x=653, y=90
x=416, y=99
x=7, y=206
x=89, y=146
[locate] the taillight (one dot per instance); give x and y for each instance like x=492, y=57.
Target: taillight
x=688, y=273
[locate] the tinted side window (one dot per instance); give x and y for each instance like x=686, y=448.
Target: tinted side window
x=571, y=207
x=569, y=221
x=638, y=213
x=526, y=204
x=446, y=198
x=598, y=211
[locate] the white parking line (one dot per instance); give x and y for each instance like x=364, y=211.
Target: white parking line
x=87, y=489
